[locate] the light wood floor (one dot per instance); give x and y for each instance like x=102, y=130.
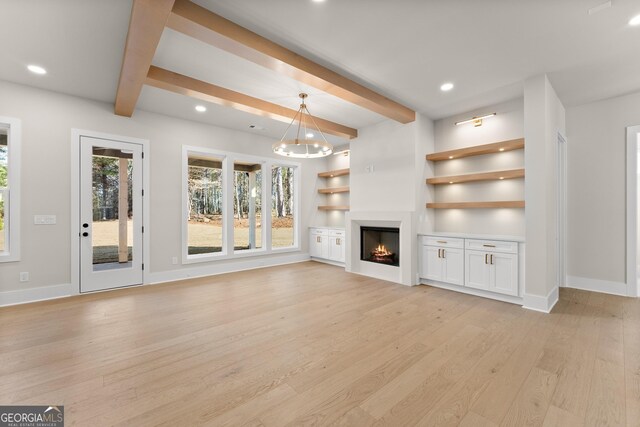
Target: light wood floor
x=308, y=344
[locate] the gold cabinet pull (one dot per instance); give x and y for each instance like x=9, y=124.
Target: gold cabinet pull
x=489, y=246
x=485, y=258
x=442, y=241
x=444, y=253
x=491, y=259
x=338, y=242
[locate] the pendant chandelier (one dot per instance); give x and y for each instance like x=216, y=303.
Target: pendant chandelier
x=303, y=141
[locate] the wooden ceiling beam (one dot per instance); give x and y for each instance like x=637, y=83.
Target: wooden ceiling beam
x=184, y=85
x=148, y=20
x=208, y=27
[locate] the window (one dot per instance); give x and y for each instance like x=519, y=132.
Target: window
x=247, y=206
x=282, y=206
x=205, y=221
x=225, y=195
x=9, y=189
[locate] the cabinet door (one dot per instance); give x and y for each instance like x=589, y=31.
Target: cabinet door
x=431, y=263
x=336, y=248
x=504, y=273
x=315, y=245
x=476, y=270
x=453, y=266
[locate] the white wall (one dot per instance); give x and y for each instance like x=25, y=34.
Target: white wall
x=507, y=124
x=47, y=120
x=544, y=118
x=596, y=169
x=397, y=154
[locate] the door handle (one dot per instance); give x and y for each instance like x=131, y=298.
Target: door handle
x=485, y=258
x=85, y=234
x=443, y=253
x=491, y=259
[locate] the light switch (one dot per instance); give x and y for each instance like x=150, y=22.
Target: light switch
x=44, y=219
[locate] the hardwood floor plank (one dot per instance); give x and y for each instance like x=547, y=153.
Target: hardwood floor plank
x=531, y=404
x=557, y=417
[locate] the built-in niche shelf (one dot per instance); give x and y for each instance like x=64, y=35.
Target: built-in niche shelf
x=344, y=189
x=333, y=208
x=333, y=190
x=331, y=174
x=477, y=150
x=475, y=177
x=477, y=205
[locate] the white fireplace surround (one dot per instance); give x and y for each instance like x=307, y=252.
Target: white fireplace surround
x=406, y=273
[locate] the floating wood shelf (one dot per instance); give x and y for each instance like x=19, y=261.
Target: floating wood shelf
x=496, y=147
x=474, y=177
x=333, y=190
x=477, y=205
x=331, y=174
x=333, y=208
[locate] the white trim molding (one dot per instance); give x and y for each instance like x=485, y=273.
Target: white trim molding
x=12, y=224
x=222, y=268
x=44, y=293
x=597, y=285
x=540, y=303
x=633, y=171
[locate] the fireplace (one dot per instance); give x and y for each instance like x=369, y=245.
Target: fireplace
x=380, y=245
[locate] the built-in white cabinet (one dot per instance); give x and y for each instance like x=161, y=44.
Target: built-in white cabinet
x=327, y=244
x=487, y=265
x=492, y=266
x=443, y=260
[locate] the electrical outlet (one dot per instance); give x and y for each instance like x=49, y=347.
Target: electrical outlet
x=24, y=276
x=174, y=260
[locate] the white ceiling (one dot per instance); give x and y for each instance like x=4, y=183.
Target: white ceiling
x=404, y=49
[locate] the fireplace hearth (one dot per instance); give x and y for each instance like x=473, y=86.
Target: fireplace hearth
x=380, y=245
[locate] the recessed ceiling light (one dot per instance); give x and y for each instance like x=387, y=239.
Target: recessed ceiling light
x=635, y=21
x=318, y=1
x=451, y=157
x=310, y=135
x=446, y=87
x=201, y=108
x=36, y=69
x=502, y=149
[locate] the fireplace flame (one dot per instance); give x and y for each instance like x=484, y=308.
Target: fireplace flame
x=381, y=251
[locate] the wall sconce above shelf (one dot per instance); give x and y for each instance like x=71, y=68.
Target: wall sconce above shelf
x=477, y=205
x=477, y=150
x=475, y=177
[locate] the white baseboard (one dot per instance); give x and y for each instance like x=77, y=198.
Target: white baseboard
x=597, y=285
x=328, y=261
x=23, y=296
x=227, y=267
x=539, y=303
x=471, y=291
x=61, y=291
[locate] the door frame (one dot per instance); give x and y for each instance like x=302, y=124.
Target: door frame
x=76, y=135
x=561, y=209
x=633, y=144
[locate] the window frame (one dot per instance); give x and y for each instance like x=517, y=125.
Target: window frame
x=228, y=161
x=12, y=220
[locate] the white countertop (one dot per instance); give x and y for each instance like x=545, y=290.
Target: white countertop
x=519, y=239
x=327, y=227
